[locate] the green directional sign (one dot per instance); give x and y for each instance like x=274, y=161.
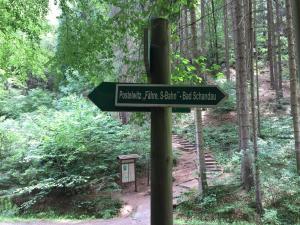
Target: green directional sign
x=104, y=97
x=140, y=95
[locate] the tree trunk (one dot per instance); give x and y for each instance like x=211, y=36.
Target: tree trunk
x=279, y=23
x=234, y=25
x=246, y=166
x=181, y=30
x=270, y=41
x=227, y=56
x=256, y=70
x=215, y=31
x=186, y=32
x=258, y=199
x=211, y=53
x=202, y=181
x=202, y=32
x=294, y=85
x=296, y=22
x=202, y=27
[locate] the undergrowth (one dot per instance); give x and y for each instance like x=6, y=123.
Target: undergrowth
x=279, y=180
x=63, y=151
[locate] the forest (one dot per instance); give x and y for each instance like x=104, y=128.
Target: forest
x=237, y=163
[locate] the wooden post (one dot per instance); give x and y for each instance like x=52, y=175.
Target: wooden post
x=161, y=143
x=135, y=180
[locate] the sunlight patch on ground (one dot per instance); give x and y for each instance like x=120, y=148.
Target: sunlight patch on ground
x=126, y=210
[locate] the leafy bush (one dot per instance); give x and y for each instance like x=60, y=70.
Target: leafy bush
x=13, y=102
x=277, y=127
x=99, y=208
x=230, y=103
x=195, y=221
x=270, y=217
x=7, y=208
x=69, y=149
x=75, y=83
x=219, y=203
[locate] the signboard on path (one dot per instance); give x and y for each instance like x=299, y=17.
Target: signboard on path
x=109, y=96
x=154, y=95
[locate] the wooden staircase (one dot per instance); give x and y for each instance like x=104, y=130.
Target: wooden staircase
x=185, y=175
x=211, y=165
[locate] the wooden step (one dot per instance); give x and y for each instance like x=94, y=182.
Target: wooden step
x=176, y=135
x=213, y=170
x=184, y=143
x=211, y=164
x=189, y=146
x=209, y=159
x=188, y=149
x=213, y=167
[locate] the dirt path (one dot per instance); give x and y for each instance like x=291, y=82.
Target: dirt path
x=136, y=210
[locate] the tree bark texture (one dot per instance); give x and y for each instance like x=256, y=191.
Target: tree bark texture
x=202, y=27
x=186, y=32
x=246, y=165
x=181, y=31
x=294, y=85
x=227, y=56
x=202, y=181
x=256, y=68
x=270, y=41
x=279, y=23
x=258, y=198
x=296, y=22
x=215, y=31
x=234, y=25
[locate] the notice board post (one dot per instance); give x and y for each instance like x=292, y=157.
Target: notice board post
x=128, y=169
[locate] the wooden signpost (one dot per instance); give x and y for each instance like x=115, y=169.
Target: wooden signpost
x=155, y=95
x=114, y=97
x=159, y=98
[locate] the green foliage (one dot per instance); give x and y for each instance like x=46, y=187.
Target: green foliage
x=270, y=217
x=25, y=15
x=185, y=71
x=92, y=38
x=193, y=71
x=279, y=179
x=288, y=208
x=195, y=221
x=64, y=150
x=219, y=140
x=13, y=103
x=99, y=208
x=222, y=137
x=219, y=203
x=277, y=127
x=7, y=208
x=74, y=83
x=229, y=104
x=22, y=25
